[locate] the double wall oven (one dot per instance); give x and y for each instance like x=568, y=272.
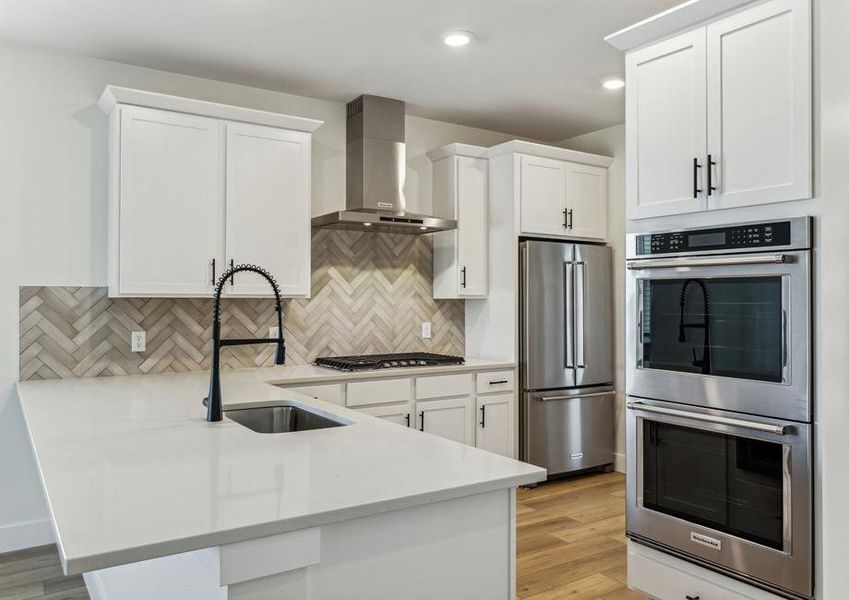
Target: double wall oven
x=719, y=405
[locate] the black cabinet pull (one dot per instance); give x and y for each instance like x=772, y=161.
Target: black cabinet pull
x=483, y=416
x=213, y=272
x=689, y=597
x=421, y=416
x=408, y=419
x=570, y=213
x=232, y=278
x=711, y=165
x=565, y=219
x=696, y=167
x=463, y=272
x=498, y=382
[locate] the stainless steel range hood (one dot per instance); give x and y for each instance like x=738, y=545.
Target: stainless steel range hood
x=375, y=170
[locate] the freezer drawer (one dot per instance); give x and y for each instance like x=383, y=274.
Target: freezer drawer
x=568, y=430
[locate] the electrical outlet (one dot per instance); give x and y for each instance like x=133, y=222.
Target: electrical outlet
x=138, y=341
x=426, y=330
x=272, y=332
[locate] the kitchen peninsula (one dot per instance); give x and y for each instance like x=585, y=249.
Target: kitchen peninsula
x=151, y=501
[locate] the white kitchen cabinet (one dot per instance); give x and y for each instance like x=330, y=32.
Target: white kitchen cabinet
x=665, y=112
x=460, y=191
x=327, y=392
x=450, y=418
x=494, y=429
x=268, y=207
x=400, y=414
x=586, y=201
x=542, y=195
x=379, y=391
x=720, y=116
x=167, y=213
x=195, y=185
x=759, y=119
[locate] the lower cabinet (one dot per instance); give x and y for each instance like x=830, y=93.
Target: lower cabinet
x=450, y=418
x=401, y=414
x=494, y=431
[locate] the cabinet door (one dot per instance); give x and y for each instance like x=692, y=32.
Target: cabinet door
x=495, y=423
x=450, y=418
x=542, y=195
x=268, y=208
x=759, y=104
x=665, y=116
x=400, y=414
x=586, y=199
x=170, y=203
x=472, y=226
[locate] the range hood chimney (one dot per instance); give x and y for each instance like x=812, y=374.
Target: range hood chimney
x=375, y=169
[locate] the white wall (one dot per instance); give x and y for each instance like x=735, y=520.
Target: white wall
x=53, y=205
x=611, y=142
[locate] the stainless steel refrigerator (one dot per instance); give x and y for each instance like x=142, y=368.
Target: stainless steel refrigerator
x=566, y=417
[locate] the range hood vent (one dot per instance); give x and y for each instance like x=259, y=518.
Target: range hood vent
x=375, y=170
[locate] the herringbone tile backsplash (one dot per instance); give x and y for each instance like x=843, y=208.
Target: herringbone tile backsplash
x=370, y=292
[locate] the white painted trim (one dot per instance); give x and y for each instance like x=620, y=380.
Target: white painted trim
x=619, y=462
x=261, y=557
x=114, y=95
x=28, y=534
x=457, y=150
x=94, y=585
x=676, y=19
x=542, y=150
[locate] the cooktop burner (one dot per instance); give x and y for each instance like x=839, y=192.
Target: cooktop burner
x=367, y=362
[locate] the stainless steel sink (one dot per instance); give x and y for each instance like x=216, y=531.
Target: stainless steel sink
x=281, y=418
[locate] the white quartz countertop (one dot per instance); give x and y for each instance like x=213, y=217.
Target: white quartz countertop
x=132, y=471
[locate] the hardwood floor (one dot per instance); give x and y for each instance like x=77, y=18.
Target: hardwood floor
x=570, y=544
x=570, y=540
x=35, y=574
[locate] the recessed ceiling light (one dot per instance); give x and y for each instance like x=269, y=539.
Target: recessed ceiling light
x=457, y=39
x=614, y=83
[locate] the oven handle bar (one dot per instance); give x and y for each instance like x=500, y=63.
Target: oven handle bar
x=717, y=261
x=765, y=427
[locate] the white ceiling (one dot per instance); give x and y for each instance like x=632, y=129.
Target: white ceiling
x=533, y=70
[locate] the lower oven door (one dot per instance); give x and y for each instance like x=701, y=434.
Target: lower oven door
x=727, y=490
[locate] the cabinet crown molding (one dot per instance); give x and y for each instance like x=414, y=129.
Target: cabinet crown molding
x=545, y=151
x=457, y=150
x=114, y=95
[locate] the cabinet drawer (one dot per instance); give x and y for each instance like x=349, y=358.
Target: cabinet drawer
x=379, y=391
x=328, y=392
x=443, y=386
x=662, y=576
x=494, y=381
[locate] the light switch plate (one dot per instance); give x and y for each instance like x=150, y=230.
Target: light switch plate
x=426, y=332
x=138, y=341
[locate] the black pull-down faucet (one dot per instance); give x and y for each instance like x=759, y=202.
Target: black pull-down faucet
x=213, y=400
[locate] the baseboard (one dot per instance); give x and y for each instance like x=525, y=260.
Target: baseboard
x=619, y=462
x=28, y=534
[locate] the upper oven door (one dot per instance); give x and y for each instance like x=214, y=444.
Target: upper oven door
x=733, y=490
x=727, y=332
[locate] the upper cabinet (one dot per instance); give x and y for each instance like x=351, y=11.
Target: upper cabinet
x=720, y=116
x=461, y=192
x=197, y=186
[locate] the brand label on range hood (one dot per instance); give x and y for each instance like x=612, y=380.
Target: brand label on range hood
x=705, y=540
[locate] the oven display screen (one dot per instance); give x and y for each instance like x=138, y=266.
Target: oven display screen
x=706, y=239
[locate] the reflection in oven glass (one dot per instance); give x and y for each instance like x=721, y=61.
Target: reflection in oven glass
x=728, y=483
x=731, y=327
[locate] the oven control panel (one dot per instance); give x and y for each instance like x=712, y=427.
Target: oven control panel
x=749, y=237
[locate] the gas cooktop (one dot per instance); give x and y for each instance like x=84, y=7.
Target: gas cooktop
x=366, y=362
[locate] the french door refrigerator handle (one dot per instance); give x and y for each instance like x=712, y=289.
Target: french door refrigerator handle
x=569, y=317
x=580, y=313
x=745, y=424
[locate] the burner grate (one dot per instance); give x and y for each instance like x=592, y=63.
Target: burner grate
x=366, y=362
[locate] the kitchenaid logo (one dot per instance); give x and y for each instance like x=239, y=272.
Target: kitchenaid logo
x=385, y=205
x=705, y=540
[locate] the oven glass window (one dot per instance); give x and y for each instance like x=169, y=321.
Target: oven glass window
x=731, y=484
x=731, y=327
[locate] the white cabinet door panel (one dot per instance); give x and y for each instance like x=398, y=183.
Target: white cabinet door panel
x=472, y=226
x=268, y=207
x=586, y=198
x=171, y=203
x=542, y=195
x=450, y=419
x=666, y=127
x=400, y=414
x=759, y=104
x=495, y=423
